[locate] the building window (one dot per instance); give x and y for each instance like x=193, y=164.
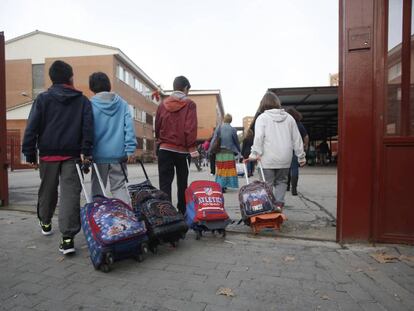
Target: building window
x=120, y=73
x=143, y=116
x=139, y=142
x=139, y=86
x=149, y=119
x=131, y=80
x=127, y=77
x=131, y=110
x=38, y=79
x=144, y=144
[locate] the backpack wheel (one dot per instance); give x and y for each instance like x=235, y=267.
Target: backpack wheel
x=144, y=248
x=109, y=259
x=105, y=268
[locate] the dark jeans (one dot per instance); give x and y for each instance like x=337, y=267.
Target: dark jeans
x=64, y=173
x=250, y=168
x=167, y=161
x=213, y=164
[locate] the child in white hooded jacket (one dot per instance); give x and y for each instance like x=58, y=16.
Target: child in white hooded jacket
x=276, y=135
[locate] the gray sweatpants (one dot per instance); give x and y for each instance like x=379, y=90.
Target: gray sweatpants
x=116, y=181
x=51, y=174
x=277, y=179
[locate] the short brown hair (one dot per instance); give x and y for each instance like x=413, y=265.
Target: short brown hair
x=227, y=118
x=269, y=101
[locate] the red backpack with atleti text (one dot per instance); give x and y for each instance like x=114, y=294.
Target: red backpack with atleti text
x=205, y=207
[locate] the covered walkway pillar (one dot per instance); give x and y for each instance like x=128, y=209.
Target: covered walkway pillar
x=4, y=191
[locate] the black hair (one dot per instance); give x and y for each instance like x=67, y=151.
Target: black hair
x=60, y=72
x=99, y=82
x=180, y=83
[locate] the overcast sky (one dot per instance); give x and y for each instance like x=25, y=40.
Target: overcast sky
x=238, y=46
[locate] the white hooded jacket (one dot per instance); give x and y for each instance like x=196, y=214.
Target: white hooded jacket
x=276, y=136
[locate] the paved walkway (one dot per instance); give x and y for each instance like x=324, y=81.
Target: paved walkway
x=240, y=272
x=237, y=273
x=311, y=215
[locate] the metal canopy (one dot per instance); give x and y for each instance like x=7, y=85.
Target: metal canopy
x=318, y=106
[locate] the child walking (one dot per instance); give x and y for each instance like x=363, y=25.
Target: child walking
x=60, y=130
x=114, y=136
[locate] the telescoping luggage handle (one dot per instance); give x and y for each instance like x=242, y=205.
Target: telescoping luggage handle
x=122, y=163
x=260, y=168
x=82, y=181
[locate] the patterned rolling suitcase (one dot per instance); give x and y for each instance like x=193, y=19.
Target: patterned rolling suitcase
x=112, y=230
x=163, y=221
x=258, y=205
x=165, y=224
x=205, y=208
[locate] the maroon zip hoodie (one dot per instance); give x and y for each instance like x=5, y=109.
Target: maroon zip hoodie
x=176, y=124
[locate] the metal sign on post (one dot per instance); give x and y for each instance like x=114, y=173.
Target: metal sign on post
x=4, y=185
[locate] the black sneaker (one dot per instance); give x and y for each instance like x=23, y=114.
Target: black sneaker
x=46, y=228
x=67, y=246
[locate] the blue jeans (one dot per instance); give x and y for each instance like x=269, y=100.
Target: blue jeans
x=294, y=166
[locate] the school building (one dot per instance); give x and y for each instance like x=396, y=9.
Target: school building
x=28, y=59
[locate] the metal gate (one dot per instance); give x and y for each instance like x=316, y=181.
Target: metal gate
x=14, y=150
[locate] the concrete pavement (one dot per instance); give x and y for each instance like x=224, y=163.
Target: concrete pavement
x=240, y=272
x=311, y=215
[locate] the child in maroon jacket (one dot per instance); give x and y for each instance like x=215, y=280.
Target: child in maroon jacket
x=176, y=134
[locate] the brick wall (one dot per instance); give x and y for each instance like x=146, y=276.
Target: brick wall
x=18, y=80
x=206, y=115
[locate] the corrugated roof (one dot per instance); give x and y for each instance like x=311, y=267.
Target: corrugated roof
x=318, y=106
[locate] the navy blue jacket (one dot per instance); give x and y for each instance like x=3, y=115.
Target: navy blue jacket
x=60, y=123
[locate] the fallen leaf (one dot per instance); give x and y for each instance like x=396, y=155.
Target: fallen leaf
x=359, y=270
x=32, y=246
x=325, y=297
x=266, y=259
x=60, y=259
x=225, y=291
x=407, y=258
x=289, y=258
x=384, y=257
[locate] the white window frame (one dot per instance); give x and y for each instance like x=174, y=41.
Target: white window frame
x=120, y=73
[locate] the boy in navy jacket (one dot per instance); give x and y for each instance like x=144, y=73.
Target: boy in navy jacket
x=60, y=128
